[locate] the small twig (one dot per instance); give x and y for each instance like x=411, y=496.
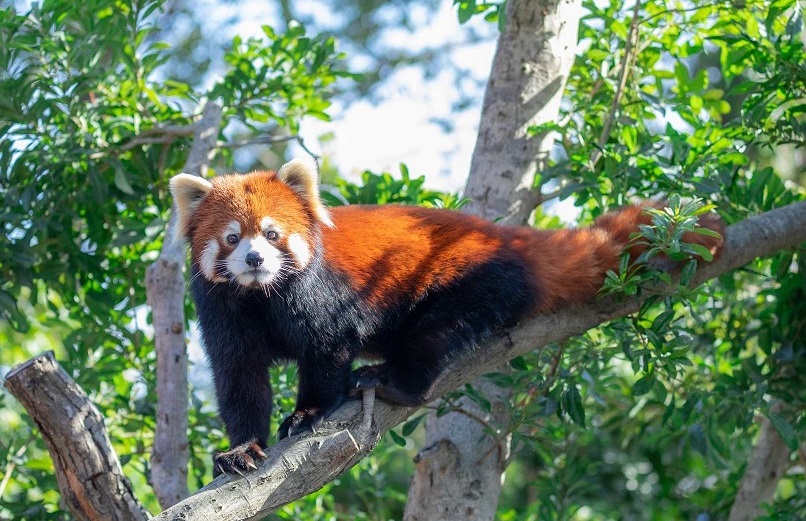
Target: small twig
x=680, y=10
x=263, y=140
x=498, y=436
x=136, y=142
x=11, y=466
x=301, y=143
x=156, y=135
x=160, y=134
x=170, y=130
x=556, y=362
x=551, y=195
x=457, y=409
x=624, y=72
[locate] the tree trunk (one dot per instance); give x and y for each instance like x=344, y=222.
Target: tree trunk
x=459, y=472
x=530, y=68
x=165, y=293
x=768, y=462
x=87, y=469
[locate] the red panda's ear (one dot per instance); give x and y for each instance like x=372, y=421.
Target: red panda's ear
x=303, y=178
x=188, y=191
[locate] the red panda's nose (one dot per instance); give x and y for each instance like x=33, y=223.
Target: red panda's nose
x=254, y=259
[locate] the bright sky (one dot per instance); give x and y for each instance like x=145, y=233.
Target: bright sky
x=403, y=127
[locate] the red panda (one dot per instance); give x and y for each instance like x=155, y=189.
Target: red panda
x=278, y=277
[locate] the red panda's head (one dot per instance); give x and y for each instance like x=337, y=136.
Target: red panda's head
x=250, y=229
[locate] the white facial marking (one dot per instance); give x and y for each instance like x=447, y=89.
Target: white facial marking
x=250, y=275
x=299, y=249
x=267, y=223
x=207, y=261
x=232, y=227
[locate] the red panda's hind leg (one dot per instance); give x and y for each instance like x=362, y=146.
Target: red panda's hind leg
x=451, y=321
x=394, y=384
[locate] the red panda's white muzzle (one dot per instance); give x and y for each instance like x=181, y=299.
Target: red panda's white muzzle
x=254, y=262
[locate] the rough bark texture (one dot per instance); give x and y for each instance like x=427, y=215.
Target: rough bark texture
x=768, y=462
x=459, y=472
x=165, y=293
x=530, y=68
x=88, y=471
x=301, y=464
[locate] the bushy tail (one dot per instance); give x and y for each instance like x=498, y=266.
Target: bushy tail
x=570, y=265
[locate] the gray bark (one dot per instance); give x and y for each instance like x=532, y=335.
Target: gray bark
x=87, y=469
x=459, y=471
x=301, y=464
x=768, y=462
x=530, y=68
x=165, y=293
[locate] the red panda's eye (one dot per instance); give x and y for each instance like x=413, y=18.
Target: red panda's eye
x=233, y=238
x=272, y=235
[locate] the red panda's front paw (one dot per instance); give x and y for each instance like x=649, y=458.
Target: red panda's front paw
x=238, y=459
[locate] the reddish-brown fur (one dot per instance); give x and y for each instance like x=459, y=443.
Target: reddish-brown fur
x=388, y=250
x=385, y=250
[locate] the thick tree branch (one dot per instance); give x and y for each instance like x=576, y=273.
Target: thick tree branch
x=165, y=293
x=87, y=469
x=302, y=464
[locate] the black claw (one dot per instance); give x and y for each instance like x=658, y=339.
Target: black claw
x=302, y=420
x=238, y=459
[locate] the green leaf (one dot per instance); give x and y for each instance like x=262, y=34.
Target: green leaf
x=707, y=232
x=572, y=404
x=697, y=438
x=122, y=183
x=397, y=438
x=519, y=363
x=643, y=385
x=785, y=429
x=410, y=425
x=702, y=251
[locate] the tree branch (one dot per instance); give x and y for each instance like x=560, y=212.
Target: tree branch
x=87, y=469
x=301, y=464
x=624, y=72
x=165, y=293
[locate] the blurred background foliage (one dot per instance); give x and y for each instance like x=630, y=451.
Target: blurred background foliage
x=651, y=417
